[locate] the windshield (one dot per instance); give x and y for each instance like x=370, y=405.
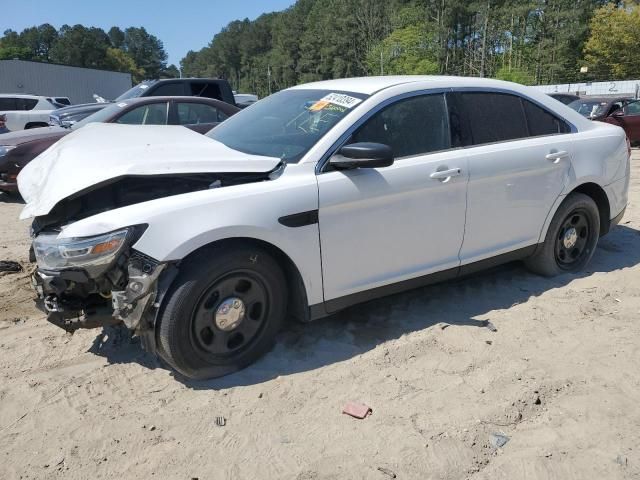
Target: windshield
x=136, y=91
x=287, y=124
x=589, y=108
x=100, y=116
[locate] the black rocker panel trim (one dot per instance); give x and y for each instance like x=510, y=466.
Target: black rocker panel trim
x=301, y=219
x=334, y=305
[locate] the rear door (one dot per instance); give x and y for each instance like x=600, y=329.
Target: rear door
x=518, y=157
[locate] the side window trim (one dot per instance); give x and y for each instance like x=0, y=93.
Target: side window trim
x=324, y=160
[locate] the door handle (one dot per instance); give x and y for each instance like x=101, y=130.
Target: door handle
x=555, y=157
x=446, y=174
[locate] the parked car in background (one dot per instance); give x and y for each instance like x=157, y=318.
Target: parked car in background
x=243, y=100
x=68, y=116
x=60, y=102
x=621, y=111
x=198, y=114
x=627, y=117
x=25, y=111
x=565, y=98
x=314, y=199
x=598, y=108
x=215, y=88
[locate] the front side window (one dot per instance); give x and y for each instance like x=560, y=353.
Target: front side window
x=153, y=114
x=286, y=124
x=412, y=126
x=196, y=113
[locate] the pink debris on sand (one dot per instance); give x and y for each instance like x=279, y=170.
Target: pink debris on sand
x=356, y=410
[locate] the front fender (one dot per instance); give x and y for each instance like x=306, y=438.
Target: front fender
x=180, y=224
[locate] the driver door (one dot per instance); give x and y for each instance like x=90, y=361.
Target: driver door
x=382, y=226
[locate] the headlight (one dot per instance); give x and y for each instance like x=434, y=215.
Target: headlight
x=4, y=149
x=88, y=252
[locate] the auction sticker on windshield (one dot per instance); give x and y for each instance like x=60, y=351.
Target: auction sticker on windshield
x=338, y=99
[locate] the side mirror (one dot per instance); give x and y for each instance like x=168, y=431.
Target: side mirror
x=618, y=113
x=362, y=155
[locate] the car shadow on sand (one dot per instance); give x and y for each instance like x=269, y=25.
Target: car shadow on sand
x=11, y=198
x=358, y=329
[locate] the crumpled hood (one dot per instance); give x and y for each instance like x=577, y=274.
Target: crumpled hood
x=101, y=152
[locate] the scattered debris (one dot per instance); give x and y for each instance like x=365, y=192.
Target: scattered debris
x=497, y=440
x=9, y=266
x=617, y=300
x=622, y=460
x=357, y=410
x=444, y=325
x=152, y=428
x=387, y=472
x=221, y=421
x=489, y=325
x=488, y=342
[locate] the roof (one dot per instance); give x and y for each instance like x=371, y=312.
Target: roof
x=22, y=95
x=371, y=85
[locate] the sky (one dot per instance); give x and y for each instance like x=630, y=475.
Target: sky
x=181, y=25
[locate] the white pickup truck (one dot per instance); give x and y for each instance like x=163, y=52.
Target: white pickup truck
x=25, y=111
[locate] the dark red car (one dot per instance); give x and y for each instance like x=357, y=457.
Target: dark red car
x=621, y=111
x=196, y=113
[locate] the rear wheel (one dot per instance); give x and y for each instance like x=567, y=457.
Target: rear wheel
x=223, y=312
x=571, y=239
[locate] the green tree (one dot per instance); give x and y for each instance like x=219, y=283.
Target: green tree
x=81, y=47
x=120, y=61
x=614, y=42
x=146, y=50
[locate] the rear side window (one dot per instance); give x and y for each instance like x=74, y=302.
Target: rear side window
x=7, y=104
x=633, y=108
x=413, y=126
x=207, y=90
x=196, y=113
x=153, y=114
x=168, y=90
x=26, y=103
x=493, y=117
x=542, y=122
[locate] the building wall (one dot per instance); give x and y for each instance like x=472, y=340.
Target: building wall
x=51, y=80
x=612, y=88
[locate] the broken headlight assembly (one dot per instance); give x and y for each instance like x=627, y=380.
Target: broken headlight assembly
x=90, y=253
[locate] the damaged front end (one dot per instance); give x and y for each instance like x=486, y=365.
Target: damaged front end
x=96, y=281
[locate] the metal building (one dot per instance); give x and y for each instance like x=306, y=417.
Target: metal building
x=616, y=88
x=54, y=80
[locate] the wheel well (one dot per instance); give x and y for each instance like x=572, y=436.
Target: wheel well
x=599, y=196
x=298, y=306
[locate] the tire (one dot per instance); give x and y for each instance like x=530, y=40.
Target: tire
x=562, y=251
x=223, y=311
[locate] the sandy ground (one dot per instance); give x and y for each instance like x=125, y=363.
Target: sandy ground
x=560, y=378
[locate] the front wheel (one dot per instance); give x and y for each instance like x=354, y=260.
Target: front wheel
x=571, y=239
x=223, y=311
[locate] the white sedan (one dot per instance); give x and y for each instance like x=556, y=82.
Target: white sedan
x=314, y=199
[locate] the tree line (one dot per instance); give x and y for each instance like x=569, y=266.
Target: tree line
x=527, y=41
x=132, y=50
